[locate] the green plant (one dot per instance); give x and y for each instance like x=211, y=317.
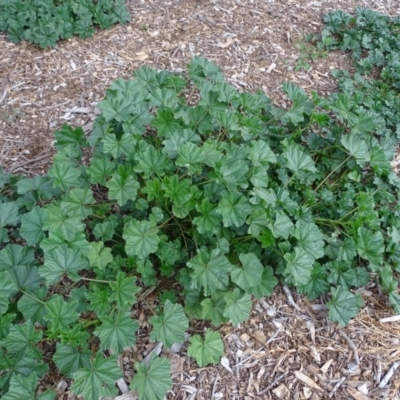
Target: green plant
x=224, y=196
x=308, y=53
x=373, y=42
x=44, y=22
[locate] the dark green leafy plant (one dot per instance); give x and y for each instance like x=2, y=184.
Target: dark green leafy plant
x=373, y=41
x=224, y=196
x=44, y=22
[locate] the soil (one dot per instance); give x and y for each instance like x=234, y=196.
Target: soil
x=288, y=349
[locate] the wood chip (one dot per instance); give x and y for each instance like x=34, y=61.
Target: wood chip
x=282, y=392
x=307, y=380
x=326, y=366
x=271, y=68
x=357, y=395
x=228, y=42
x=141, y=56
x=225, y=363
x=394, y=318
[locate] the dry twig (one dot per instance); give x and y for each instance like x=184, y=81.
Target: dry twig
x=388, y=375
x=337, y=386
x=352, y=346
x=290, y=298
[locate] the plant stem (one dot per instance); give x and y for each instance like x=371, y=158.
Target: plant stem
x=33, y=297
x=165, y=223
x=327, y=221
x=86, y=324
x=94, y=280
x=331, y=173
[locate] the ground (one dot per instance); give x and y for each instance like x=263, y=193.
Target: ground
x=288, y=349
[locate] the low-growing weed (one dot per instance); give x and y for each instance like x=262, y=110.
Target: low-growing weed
x=308, y=53
x=45, y=22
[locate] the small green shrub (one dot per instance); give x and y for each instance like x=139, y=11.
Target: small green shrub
x=44, y=22
x=224, y=196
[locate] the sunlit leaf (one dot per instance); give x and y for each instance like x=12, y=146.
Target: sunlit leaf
x=62, y=261
x=250, y=272
x=209, y=220
x=213, y=308
x=61, y=313
x=78, y=202
x=170, y=326
x=266, y=285
x=98, y=379
x=357, y=147
x=141, y=238
x=124, y=290
x=153, y=380
x=370, y=245
x=9, y=214
x=64, y=175
x=117, y=331
x=69, y=359
x=208, y=350
x=99, y=255
x=210, y=270
x=299, y=266
x=234, y=209
x=310, y=238
x=238, y=306
x=32, y=226
x=122, y=186
x=297, y=160
x=282, y=226
x=343, y=306
x=57, y=219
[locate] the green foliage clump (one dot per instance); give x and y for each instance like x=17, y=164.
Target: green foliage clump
x=44, y=22
x=190, y=182
x=373, y=42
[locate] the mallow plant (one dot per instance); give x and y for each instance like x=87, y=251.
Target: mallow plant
x=209, y=193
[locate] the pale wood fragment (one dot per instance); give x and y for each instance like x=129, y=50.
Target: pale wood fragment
x=307, y=380
x=282, y=392
x=357, y=394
